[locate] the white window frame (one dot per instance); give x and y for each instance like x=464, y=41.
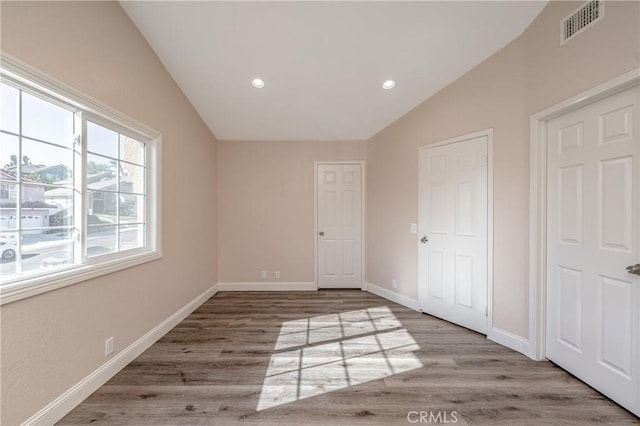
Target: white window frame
x=31, y=80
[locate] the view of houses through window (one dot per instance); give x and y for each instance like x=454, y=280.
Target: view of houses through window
x=54, y=160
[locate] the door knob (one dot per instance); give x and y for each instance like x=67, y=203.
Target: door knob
x=321, y=233
x=424, y=240
x=634, y=269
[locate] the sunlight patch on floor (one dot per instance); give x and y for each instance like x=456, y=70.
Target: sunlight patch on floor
x=352, y=355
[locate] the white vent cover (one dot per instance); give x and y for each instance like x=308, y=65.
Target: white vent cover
x=583, y=18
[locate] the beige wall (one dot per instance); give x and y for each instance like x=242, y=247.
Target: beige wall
x=52, y=341
x=529, y=74
x=265, y=206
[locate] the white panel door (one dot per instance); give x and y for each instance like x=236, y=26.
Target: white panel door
x=453, y=227
x=593, y=233
x=339, y=225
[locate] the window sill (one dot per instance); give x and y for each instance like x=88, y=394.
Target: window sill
x=28, y=287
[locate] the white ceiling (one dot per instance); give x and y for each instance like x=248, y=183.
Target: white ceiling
x=323, y=63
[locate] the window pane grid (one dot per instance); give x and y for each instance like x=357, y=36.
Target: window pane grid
x=45, y=228
x=37, y=230
x=110, y=191
x=140, y=194
x=116, y=191
x=133, y=164
x=110, y=157
x=44, y=182
x=9, y=133
x=105, y=225
x=57, y=145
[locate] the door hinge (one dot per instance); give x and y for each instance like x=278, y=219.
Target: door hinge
x=486, y=311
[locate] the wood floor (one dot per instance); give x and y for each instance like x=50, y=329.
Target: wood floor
x=335, y=358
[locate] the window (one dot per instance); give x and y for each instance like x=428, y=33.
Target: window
x=115, y=176
x=78, y=186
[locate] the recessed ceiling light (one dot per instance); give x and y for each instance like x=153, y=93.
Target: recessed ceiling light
x=388, y=85
x=257, y=83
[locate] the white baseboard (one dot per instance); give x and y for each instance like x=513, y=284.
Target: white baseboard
x=268, y=286
x=392, y=295
x=504, y=338
x=510, y=340
x=66, y=402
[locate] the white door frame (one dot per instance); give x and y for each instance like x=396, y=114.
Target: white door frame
x=363, y=182
x=538, y=203
x=488, y=133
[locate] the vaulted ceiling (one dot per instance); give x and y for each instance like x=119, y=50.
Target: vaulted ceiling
x=322, y=63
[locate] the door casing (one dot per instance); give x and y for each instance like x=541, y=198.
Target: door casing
x=315, y=214
x=492, y=332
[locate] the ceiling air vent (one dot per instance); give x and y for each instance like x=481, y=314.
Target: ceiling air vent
x=583, y=18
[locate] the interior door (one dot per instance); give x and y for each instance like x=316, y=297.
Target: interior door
x=593, y=234
x=339, y=221
x=454, y=232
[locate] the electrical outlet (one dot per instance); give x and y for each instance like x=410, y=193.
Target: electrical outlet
x=277, y=274
x=108, y=346
x=394, y=283
x=263, y=275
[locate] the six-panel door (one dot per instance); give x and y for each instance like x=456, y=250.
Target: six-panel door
x=339, y=225
x=593, y=234
x=453, y=256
